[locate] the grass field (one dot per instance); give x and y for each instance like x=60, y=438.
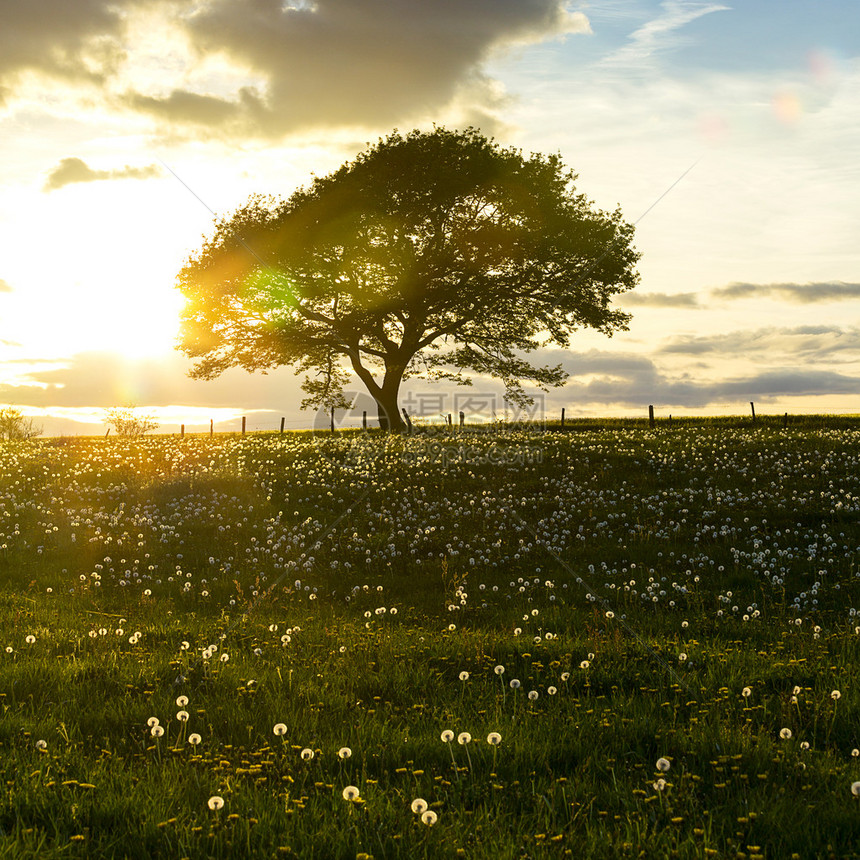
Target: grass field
x=616, y=641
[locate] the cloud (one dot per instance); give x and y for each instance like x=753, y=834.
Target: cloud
x=6, y=287
x=266, y=69
x=71, y=170
x=661, y=300
x=658, y=33
x=819, y=291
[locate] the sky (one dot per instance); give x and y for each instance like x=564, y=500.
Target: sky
x=728, y=132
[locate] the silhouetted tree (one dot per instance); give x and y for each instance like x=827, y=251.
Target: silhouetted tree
x=434, y=253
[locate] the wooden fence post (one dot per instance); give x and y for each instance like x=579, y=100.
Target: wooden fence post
x=407, y=419
x=181, y=431
x=211, y=426
x=364, y=420
x=243, y=425
x=651, y=416
x=282, y=423
x=752, y=407
x=462, y=419
x=785, y=420
x=562, y=418
x=331, y=419
x=450, y=420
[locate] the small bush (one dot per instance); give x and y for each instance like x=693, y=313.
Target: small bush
x=14, y=426
x=128, y=422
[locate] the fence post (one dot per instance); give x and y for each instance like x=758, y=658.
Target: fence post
x=331, y=419
x=282, y=424
x=651, y=416
x=181, y=431
x=785, y=420
x=450, y=420
x=364, y=420
x=243, y=425
x=562, y=418
x=462, y=419
x=407, y=419
x=211, y=426
x=108, y=433
x=752, y=407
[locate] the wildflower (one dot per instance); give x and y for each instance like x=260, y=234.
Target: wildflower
x=785, y=734
x=659, y=785
x=280, y=729
x=156, y=731
x=464, y=738
x=152, y=721
x=494, y=739
x=499, y=670
x=551, y=690
x=663, y=764
x=584, y=664
x=565, y=676
x=517, y=631
x=610, y=614
x=447, y=736
x=855, y=789
x=350, y=793
x=182, y=701
x=464, y=676
x=194, y=739
x=41, y=745
x=429, y=818
x=685, y=625
x=30, y=639
x=224, y=658
x=184, y=646
x=682, y=657
x=215, y=802
x=855, y=752
x=344, y=752
x=796, y=691
x=804, y=745
x=307, y=754
x=746, y=692
x=419, y=805
x=452, y=627
x=836, y=695
x=182, y=716
x=515, y=684
x=533, y=694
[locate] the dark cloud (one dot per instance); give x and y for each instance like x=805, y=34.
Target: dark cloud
x=810, y=343
x=71, y=170
x=323, y=64
x=661, y=300
x=5, y=287
x=77, y=40
x=819, y=291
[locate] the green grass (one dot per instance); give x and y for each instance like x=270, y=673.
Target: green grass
x=636, y=579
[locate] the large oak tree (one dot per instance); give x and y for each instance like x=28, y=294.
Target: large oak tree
x=435, y=253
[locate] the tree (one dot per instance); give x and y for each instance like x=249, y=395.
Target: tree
x=433, y=253
x=128, y=422
x=15, y=427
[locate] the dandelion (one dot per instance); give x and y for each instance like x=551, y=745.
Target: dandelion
x=855, y=752
x=565, y=676
x=659, y=784
x=419, y=806
x=795, y=691
x=344, y=753
x=610, y=614
x=836, y=695
x=41, y=745
x=224, y=658
x=499, y=670
x=584, y=664
x=855, y=789
x=307, y=754
x=157, y=731
x=182, y=701
x=429, y=818
x=30, y=639
x=682, y=657
x=194, y=739
x=746, y=692
x=452, y=627
x=785, y=734
x=533, y=694
x=447, y=736
x=804, y=745
x=152, y=721
x=182, y=716
x=464, y=676
x=280, y=729
x=464, y=738
x=663, y=765
x=350, y=793
x=551, y=691
x=515, y=684
x=685, y=625
x=215, y=802
x=494, y=739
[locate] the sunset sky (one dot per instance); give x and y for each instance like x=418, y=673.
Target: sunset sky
x=125, y=125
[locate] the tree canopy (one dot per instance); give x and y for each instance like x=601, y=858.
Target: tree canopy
x=434, y=253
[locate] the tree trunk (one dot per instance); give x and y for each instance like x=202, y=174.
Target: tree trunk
x=387, y=411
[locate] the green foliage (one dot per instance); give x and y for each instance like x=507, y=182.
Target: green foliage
x=432, y=253
x=14, y=427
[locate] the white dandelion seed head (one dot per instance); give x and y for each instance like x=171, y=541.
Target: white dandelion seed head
x=194, y=739
x=584, y=664
x=659, y=784
x=182, y=701
x=344, y=752
x=515, y=684
x=41, y=745
x=464, y=738
x=215, y=802
x=499, y=670
x=350, y=793
x=307, y=754
x=153, y=721
x=836, y=695
x=419, y=805
x=746, y=692
x=182, y=716
x=447, y=736
x=464, y=676
x=429, y=818
x=855, y=789
x=494, y=739
x=663, y=765
x=533, y=694
x=785, y=734
x=157, y=731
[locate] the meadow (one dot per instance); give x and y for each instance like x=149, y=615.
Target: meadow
x=502, y=643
